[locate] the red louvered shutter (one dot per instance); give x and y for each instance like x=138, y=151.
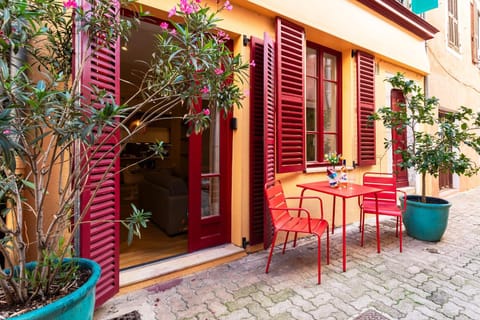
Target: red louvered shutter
x=268, y=127
x=365, y=107
x=100, y=241
x=257, y=198
x=290, y=97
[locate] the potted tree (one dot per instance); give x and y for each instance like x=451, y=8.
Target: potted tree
x=435, y=144
x=55, y=129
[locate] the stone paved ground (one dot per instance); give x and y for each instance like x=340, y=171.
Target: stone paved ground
x=427, y=281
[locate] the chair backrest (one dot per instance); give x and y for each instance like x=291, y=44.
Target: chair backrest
x=275, y=201
x=385, y=181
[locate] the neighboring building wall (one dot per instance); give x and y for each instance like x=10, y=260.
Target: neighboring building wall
x=455, y=72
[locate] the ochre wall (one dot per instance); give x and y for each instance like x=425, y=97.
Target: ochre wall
x=330, y=24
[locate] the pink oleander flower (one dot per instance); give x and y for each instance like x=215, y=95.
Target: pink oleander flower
x=6, y=131
x=206, y=112
x=172, y=12
x=218, y=71
x=222, y=36
x=198, y=1
x=70, y=4
x=205, y=90
x=252, y=63
x=173, y=32
x=188, y=8
x=164, y=25
x=228, y=6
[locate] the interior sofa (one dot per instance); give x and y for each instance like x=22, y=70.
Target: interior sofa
x=166, y=197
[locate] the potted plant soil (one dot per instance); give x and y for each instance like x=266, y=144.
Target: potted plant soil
x=434, y=145
x=54, y=128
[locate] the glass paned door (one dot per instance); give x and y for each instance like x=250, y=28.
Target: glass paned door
x=211, y=170
x=210, y=185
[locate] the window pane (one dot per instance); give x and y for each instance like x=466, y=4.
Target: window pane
x=311, y=117
x=330, y=107
x=311, y=90
x=311, y=147
x=210, y=205
x=330, y=143
x=311, y=62
x=329, y=67
x=210, y=198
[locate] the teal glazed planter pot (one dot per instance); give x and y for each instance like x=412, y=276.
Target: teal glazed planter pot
x=426, y=221
x=78, y=305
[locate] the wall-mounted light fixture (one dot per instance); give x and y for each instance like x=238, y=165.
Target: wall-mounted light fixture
x=246, y=40
x=233, y=123
x=354, y=53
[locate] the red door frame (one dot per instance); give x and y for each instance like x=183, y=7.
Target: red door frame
x=216, y=230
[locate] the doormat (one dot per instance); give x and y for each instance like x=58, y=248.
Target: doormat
x=134, y=315
x=371, y=314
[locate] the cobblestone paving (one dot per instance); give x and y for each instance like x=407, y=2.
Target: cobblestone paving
x=427, y=281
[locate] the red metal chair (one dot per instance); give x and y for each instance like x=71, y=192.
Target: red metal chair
x=387, y=202
x=302, y=222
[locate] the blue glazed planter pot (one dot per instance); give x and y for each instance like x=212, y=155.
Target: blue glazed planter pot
x=426, y=221
x=78, y=305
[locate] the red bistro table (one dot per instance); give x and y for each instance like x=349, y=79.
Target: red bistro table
x=350, y=191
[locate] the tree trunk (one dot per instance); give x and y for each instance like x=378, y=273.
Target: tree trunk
x=424, y=187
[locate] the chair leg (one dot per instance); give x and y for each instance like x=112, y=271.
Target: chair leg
x=361, y=218
x=271, y=251
x=396, y=227
x=319, y=257
x=285, y=243
x=295, y=240
x=362, y=225
x=400, y=236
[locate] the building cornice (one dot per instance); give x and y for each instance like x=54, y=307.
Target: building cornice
x=396, y=12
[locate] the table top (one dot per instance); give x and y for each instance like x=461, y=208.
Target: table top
x=349, y=191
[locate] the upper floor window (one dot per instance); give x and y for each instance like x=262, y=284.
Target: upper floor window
x=406, y=3
x=322, y=115
x=453, y=40
x=475, y=23
x=477, y=31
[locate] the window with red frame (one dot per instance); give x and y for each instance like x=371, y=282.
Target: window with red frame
x=323, y=103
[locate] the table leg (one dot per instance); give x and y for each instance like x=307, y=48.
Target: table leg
x=333, y=214
x=344, y=236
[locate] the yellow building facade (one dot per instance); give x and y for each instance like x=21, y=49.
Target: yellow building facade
x=389, y=32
